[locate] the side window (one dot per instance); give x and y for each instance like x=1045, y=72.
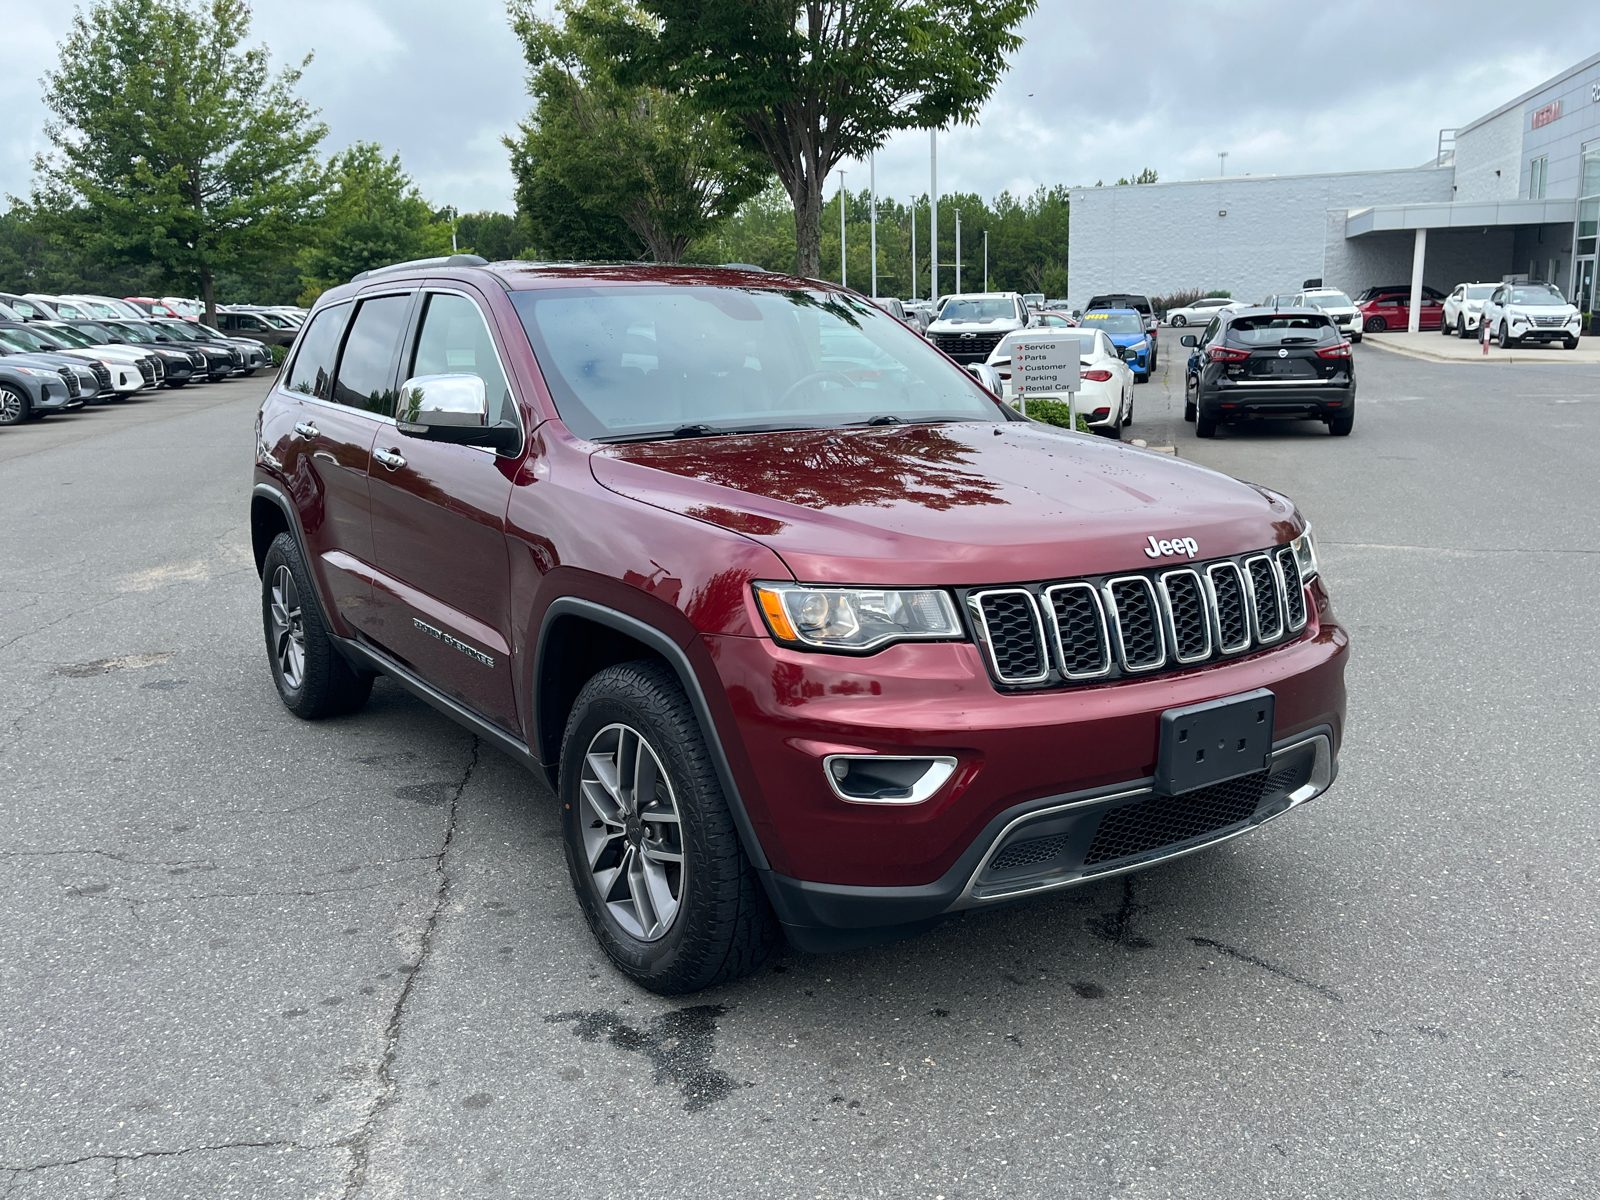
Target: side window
x=311, y=372
x=366, y=368
x=455, y=340
x=1211, y=330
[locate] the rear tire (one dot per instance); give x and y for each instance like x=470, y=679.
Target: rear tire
x=1376, y=325
x=1341, y=425
x=672, y=926
x=1179, y=321
x=1205, y=427
x=1127, y=417
x=313, y=679
x=15, y=407
x=1444, y=327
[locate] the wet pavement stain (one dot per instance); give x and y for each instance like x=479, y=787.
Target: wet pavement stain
x=1117, y=927
x=1231, y=952
x=678, y=1044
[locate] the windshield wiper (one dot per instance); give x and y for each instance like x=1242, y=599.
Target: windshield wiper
x=885, y=419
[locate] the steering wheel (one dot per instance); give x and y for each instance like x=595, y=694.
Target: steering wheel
x=814, y=377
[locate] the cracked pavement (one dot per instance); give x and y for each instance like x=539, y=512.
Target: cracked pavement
x=248, y=956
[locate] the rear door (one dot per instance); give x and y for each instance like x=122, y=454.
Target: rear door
x=443, y=582
x=323, y=446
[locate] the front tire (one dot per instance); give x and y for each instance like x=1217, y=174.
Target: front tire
x=313, y=679
x=1505, y=338
x=1570, y=343
x=651, y=843
x=15, y=407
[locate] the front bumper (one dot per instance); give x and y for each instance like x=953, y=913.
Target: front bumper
x=1060, y=842
x=842, y=872
x=1537, y=333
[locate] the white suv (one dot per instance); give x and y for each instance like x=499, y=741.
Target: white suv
x=1531, y=312
x=1341, y=310
x=969, y=325
x=1463, y=308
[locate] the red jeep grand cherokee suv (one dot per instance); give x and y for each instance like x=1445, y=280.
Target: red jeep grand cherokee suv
x=809, y=632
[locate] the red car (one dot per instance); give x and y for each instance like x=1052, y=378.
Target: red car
x=1392, y=310
x=810, y=634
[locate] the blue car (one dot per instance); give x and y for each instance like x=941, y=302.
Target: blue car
x=1126, y=330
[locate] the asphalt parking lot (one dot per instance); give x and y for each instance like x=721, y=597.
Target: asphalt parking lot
x=251, y=957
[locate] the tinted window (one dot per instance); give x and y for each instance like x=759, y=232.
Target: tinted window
x=1115, y=322
x=643, y=361
x=455, y=340
x=366, y=368
x=1278, y=330
x=311, y=372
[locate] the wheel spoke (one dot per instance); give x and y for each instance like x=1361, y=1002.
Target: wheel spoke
x=644, y=902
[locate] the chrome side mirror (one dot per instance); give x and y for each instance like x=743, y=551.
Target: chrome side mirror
x=454, y=408
x=988, y=377
x=457, y=401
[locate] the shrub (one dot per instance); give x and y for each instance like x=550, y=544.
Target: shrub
x=279, y=353
x=1054, y=412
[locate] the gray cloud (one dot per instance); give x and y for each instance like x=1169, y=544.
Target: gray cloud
x=1098, y=91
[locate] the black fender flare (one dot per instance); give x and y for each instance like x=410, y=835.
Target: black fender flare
x=678, y=660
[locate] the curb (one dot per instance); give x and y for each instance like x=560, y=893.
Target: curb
x=1495, y=355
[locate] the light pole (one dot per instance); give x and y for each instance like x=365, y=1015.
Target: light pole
x=913, y=247
x=986, y=260
x=844, y=274
x=453, y=216
x=933, y=215
x=958, y=251
x=872, y=183
x=1222, y=163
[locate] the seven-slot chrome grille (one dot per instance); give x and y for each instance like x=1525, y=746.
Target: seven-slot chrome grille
x=1120, y=626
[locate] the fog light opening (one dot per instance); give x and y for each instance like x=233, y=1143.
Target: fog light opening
x=887, y=778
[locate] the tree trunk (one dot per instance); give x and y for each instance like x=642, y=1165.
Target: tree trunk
x=208, y=293
x=807, y=197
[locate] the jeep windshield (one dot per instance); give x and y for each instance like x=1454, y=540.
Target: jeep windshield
x=634, y=363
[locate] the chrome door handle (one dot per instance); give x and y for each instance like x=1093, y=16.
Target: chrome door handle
x=307, y=430
x=389, y=458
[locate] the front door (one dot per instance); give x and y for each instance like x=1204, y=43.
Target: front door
x=1583, y=293
x=443, y=580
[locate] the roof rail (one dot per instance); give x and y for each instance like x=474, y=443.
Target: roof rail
x=448, y=260
x=744, y=267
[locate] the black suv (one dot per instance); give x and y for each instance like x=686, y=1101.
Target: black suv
x=1255, y=363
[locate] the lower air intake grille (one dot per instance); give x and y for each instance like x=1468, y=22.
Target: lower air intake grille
x=1029, y=853
x=1138, y=623
x=1014, y=636
x=1147, y=825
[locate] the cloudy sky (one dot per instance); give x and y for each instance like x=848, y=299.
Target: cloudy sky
x=1100, y=90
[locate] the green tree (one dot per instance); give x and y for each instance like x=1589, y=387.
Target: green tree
x=668, y=170
x=561, y=226
x=372, y=215
x=497, y=236
x=813, y=82
x=174, y=145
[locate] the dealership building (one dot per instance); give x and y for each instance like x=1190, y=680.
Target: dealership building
x=1516, y=192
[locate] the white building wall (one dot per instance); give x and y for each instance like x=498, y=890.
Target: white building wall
x=1163, y=237
x=1489, y=157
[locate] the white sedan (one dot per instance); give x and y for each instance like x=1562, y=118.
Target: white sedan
x=1200, y=312
x=1106, y=399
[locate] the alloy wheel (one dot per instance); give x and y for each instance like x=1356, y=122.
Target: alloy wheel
x=632, y=832
x=288, y=629
x=10, y=406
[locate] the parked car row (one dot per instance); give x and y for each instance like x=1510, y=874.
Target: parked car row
x=49, y=364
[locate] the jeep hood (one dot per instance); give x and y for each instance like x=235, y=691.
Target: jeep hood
x=955, y=505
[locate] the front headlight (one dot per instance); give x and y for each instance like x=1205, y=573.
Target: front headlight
x=32, y=371
x=1305, y=555
x=855, y=618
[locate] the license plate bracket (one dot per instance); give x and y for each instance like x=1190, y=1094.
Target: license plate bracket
x=1204, y=744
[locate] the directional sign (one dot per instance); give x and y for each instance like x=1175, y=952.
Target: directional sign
x=1045, y=363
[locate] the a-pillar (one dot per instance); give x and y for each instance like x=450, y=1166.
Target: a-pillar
x=1419, y=255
